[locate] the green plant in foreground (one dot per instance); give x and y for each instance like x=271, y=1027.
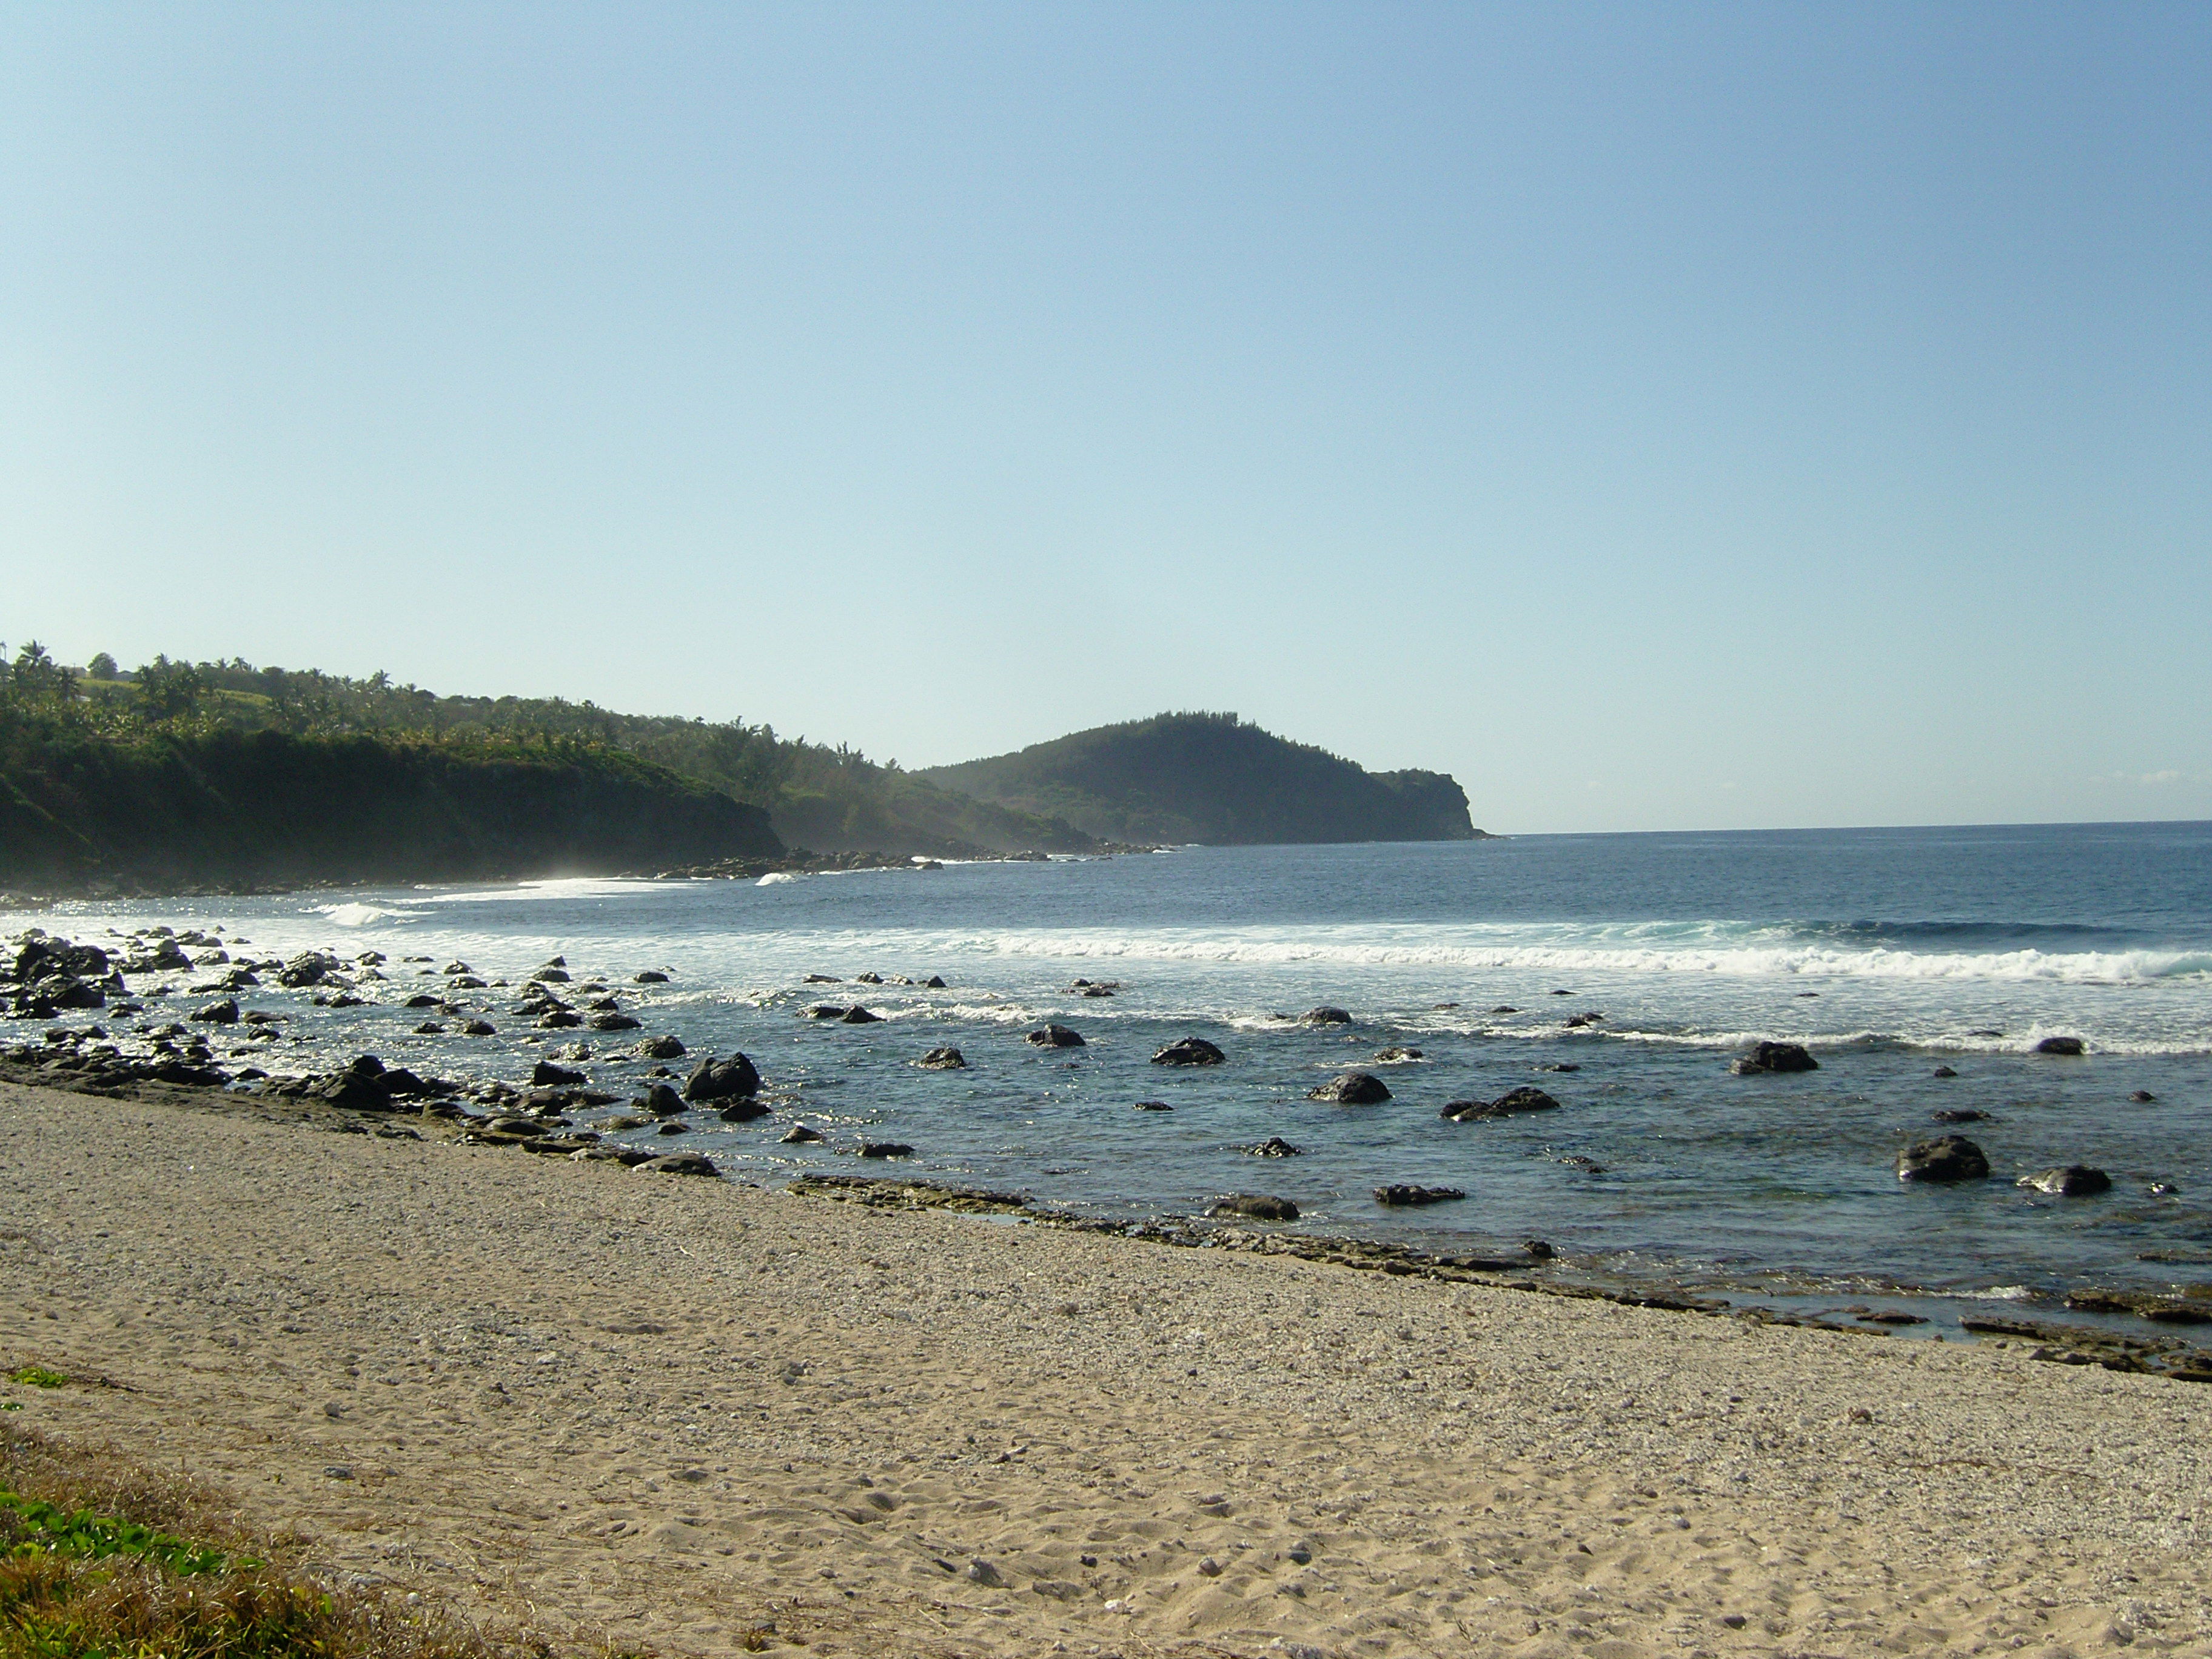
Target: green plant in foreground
x=81, y=1533
x=37, y=1376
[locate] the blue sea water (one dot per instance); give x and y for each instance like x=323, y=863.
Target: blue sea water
x=1887, y=953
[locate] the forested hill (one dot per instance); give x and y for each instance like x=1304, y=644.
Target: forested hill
x=147, y=774
x=1216, y=779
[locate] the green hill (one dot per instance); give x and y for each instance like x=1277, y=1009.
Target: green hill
x=125, y=729
x=1212, y=778
x=234, y=810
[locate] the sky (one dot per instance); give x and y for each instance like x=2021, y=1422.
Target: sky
x=1657, y=417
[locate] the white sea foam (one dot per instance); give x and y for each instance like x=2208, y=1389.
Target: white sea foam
x=365, y=915
x=775, y=879
x=1469, y=949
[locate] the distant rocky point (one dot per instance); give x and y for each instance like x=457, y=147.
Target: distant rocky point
x=1212, y=778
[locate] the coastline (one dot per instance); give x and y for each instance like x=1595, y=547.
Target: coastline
x=663, y=1412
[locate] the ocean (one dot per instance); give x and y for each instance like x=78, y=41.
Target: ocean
x=1621, y=973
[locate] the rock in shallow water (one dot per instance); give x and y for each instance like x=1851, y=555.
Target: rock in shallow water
x=1407, y=1197
x=1767, y=1059
x=1947, y=1157
x=2074, y=1180
x=1352, y=1089
x=722, y=1079
x=1511, y=1103
x=2060, y=1045
x=1188, y=1051
x=1055, y=1037
x=1254, y=1206
x=947, y=1058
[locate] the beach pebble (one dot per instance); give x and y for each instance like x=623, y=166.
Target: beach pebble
x=982, y=1572
x=685, y=1164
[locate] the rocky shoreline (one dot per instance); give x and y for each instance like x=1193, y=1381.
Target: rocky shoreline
x=49, y=976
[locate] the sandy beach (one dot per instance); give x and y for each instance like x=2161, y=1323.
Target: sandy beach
x=650, y=1412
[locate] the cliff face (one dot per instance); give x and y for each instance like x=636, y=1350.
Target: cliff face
x=239, y=809
x=1212, y=778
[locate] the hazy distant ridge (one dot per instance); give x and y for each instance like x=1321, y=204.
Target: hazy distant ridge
x=1212, y=778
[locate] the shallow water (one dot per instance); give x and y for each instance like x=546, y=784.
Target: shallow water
x=1887, y=953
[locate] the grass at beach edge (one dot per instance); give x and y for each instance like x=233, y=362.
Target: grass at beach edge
x=103, y=1559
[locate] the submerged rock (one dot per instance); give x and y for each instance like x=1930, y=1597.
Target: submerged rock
x=856, y=1015
x=1512, y=1103
x=885, y=1149
x=1255, y=1206
x=1397, y=1056
x=1055, y=1037
x=1960, y=1114
x=828, y=1010
x=1152, y=1106
x=1947, y=1157
x=1943, y=1071
x=1275, y=1146
x=2060, y=1045
x=799, y=1135
x=947, y=1058
x=1404, y=1197
x=1189, y=1051
x=2073, y=1180
x=1326, y=1015
x=1766, y=1058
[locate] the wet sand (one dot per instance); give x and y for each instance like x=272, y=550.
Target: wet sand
x=661, y=1412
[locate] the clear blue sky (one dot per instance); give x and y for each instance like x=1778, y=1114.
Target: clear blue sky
x=1656, y=415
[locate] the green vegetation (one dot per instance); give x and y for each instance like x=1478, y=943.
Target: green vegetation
x=38, y=1376
x=49, y=1526
x=1212, y=778
x=100, y=1560
x=136, y=775
x=223, y=774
